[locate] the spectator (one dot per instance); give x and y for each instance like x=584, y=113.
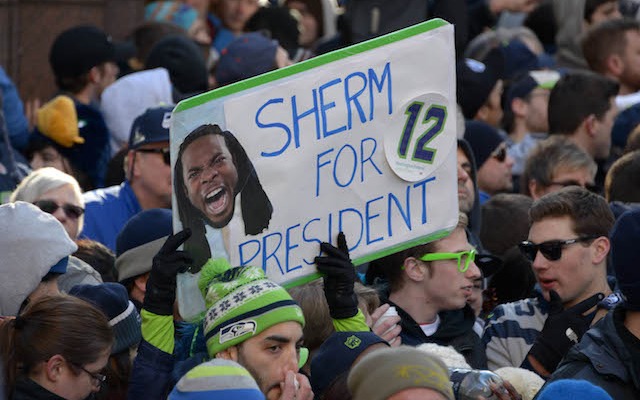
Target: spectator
x=217, y=380
x=230, y=19
x=621, y=186
x=610, y=48
x=468, y=195
x=35, y=251
x=493, y=162
x=480, y=88
x=55, y=349
x=99, y=257
x=369, y=378
x=556, y=163
x=56, y=193
x=148, y=183
x=180, y=14
x=607, y=355
x=568, y=246
x=582, y=108
x=430, y=292
x=124, y=320
x=138, y=241
x=526, y=100
x=83, y=62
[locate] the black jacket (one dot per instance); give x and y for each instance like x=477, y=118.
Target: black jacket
x=456, y=329
x=607, y=356
x=26, y=389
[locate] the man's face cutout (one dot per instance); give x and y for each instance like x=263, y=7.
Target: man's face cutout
x=210, y=178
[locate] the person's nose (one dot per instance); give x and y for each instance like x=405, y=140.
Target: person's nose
x=463, y=176
x=60, y=215
x=473, y=272
x=209, y=173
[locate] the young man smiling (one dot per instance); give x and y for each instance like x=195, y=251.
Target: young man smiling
x=568, y=247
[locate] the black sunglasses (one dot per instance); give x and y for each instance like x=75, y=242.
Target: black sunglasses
x=164, y=151
x=500, y=153
x=50, y=206
x=551, y=250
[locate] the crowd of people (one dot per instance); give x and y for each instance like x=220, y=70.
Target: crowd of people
x=533, y=294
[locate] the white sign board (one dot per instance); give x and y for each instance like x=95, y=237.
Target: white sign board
x=362, y=140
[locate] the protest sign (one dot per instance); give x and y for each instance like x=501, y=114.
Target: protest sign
x=361, y=140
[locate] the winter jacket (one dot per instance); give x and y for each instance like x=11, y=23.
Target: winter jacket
x=26, y=389
x=456, y=329
x=607, y=356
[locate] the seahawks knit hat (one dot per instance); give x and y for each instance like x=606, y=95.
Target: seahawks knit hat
x=217, y=379
x=383, y=373
x=241, y=303
x=32, y=244
x=112, y=299
x=572, y=389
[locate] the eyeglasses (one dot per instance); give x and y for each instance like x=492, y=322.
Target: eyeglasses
x=50, y=206
x=500, y=153
x=164, y=151
x=99, y=378
x=589, y=186
x=551, y=250
x=469, y=255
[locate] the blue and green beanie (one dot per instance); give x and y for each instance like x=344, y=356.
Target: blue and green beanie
x=217, y=379
x=241, y=303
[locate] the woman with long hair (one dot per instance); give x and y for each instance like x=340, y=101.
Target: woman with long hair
x=56, y=349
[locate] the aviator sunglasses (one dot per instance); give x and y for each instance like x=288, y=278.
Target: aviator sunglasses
x=164, y=151
x=50, y=206
x=551, y=250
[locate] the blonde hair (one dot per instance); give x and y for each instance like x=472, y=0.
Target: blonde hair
x=42, y=180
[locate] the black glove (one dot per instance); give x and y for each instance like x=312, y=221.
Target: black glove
x=562, y=329
x=161, y=286
x=340, y=277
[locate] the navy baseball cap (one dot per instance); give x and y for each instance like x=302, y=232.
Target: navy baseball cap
x=151, y=127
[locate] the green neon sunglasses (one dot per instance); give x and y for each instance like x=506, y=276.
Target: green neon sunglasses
x=470, y=257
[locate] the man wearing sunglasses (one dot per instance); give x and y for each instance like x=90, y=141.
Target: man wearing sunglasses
x=493, y=162
x=147, y=184
x=429, y=285
x=568, y=246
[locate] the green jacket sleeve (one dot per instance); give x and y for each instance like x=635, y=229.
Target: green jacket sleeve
x=357, y=323
x=158, y=330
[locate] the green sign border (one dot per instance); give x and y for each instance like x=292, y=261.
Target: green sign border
x=310, y=64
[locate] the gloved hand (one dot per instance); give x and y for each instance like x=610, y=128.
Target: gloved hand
x=340, y=277
x=562, y=329
x=161, y=286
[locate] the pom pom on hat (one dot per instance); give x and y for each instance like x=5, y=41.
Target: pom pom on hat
x=58, y=120
x=241, y=303
x=217, y=379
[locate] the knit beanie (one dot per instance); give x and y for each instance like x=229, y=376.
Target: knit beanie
x=476, y=80
x=58, y=121
x=483, y=139
x=32, y=244
x=385, y=372
x=217, y=379
x=624, y=240
x=336, y=356
x=182, y=57
x=572, y=389
x=241, y=303
x=247, y=56
x=175, y=12
x=78, y=49
x=113, y=300
x=139, y=241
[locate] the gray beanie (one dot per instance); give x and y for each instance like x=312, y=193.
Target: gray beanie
x=383, y=373
x=32, y=243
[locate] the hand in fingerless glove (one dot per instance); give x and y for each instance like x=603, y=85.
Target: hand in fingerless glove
x=161, y=286
x=340, y=275
x=562, y=329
